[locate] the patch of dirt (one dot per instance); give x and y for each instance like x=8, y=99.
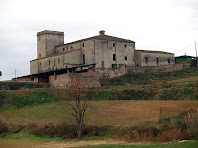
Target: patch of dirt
x=84, y=143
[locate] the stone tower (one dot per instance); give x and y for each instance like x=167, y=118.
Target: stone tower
x=47, y=41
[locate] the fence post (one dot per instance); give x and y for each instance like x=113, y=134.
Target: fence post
x=160, y=115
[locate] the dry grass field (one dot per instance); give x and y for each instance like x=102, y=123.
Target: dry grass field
x=121, y=112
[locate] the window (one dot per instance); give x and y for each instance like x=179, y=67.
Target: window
x=39, y=55
x=40, y=64
x=125, y=46
x=114, y=57
x=168, y=60
x=114, y=66
x=63, y=49
x=49, y=62
x=83, y=58
x=113, y=44
x=83, y=45
x=125, y=58
x=146, y=60
x=157, y=60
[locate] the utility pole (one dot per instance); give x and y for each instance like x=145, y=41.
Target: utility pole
x=15, y=73
x=196, y=53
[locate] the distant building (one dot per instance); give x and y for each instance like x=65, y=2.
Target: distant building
x=146, y=58
x=185, y=58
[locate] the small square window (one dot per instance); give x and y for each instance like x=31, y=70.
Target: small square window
x=125, y=58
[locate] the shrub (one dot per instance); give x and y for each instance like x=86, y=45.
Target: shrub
x=138, y=133
x=3, y=127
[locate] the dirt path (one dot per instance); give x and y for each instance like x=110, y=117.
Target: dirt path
x=83, y=143
x=8, y=143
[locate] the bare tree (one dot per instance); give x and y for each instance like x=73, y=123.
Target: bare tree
x=79, y=95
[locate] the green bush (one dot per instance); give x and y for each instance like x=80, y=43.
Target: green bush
x=35, y=98
x=3, y=127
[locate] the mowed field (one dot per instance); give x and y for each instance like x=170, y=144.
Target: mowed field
x=121, y=112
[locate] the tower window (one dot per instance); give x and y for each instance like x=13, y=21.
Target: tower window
x=125, y=58
x=49, y=62
x=113, y=44
x=114, y=57
x=83, y=45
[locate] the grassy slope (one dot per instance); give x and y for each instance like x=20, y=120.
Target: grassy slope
x=120, y=112
x=149, y=78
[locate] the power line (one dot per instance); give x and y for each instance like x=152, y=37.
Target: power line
x=185, y=47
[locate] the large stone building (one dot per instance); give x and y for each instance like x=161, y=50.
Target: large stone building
x=101, y=55
x=105, y=51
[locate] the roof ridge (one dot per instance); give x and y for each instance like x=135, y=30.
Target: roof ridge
x=101, y=37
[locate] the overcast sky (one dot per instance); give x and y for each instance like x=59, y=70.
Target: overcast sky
x=163, y=25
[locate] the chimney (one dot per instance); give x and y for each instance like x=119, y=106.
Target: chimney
x=102, y=32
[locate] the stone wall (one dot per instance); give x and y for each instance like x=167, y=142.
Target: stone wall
x=165, y=68
x=88, y=79
x=123, y=70
x=46, y=42
x=105, y=50
x=56, y=62
x=112, y=73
